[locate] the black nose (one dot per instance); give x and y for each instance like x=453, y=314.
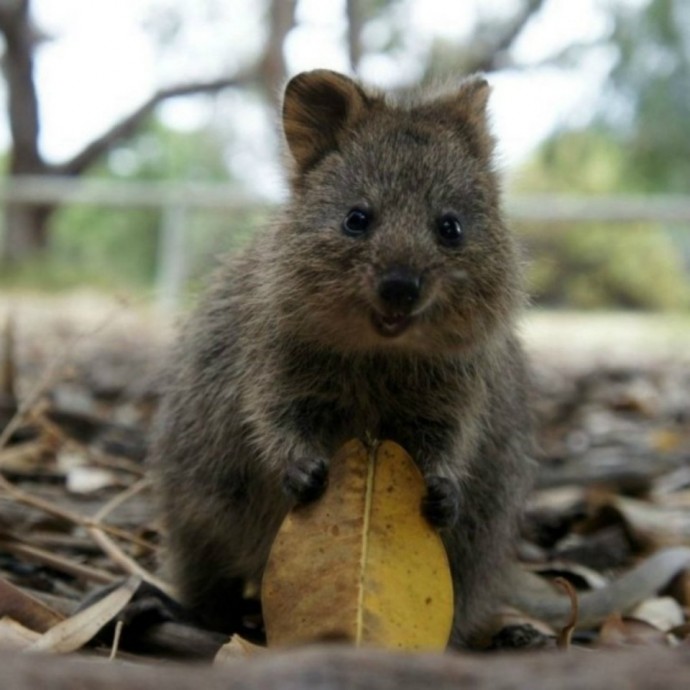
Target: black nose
x=399, y=289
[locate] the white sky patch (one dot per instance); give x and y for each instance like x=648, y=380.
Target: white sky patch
x=99, y=67
x=561, y=23
x=320, y=13
x=307, y=48
x=102, y=63
x=454, y=20
x=527, y=105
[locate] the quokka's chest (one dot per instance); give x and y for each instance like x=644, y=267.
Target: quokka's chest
x=412, y=407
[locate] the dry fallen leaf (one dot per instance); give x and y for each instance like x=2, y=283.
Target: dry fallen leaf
x=25, y=458
x=623, y=632
x=662, y=613
x=25, y=609
x=653, y=525
x=14, y=636
x=88, y=480
x=236, y=648
x=76, y=631
x=362, y=564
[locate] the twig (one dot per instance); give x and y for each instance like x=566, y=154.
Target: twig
x=48, y=539
x=49, y=508
x=116, y=639
x=128, y=564
x=65, y=565
x=119, y=499
x=19, y=456
x=111, y=462
x=8, y=373
x=96, y=456
x=566, y=634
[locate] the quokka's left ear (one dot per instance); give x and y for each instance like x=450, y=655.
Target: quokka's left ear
x=318, y=109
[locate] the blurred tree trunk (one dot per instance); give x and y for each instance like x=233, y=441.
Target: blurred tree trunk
x=496, y=40
x=272, y=68
x=490, y=46
x=26, y=225
x=355, y=24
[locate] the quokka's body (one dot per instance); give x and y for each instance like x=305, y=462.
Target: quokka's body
x=380, y=305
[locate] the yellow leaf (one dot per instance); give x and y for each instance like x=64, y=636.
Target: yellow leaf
x=362, y=564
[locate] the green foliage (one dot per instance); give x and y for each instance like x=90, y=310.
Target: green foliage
x=596, y=265
x=638, y=143
x=593, y=266
x=651, y=79
x=585, y=161
x=118, y=247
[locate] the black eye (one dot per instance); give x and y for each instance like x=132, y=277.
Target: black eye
x=356, y=222
x=449, y=230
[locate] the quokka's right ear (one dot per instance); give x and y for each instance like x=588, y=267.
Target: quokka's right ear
x=318, y=109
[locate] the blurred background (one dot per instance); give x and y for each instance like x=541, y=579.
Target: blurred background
x=140, y=138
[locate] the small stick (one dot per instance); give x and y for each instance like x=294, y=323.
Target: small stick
x=97, y=456
x=8, y=371
x=49, y=508
x=116, y=639
x=119, y=499
x=566, y=634
x=129, y=565
x=65, y=565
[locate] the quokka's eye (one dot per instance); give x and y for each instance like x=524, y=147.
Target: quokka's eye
x=449, y=230
x=356, y=222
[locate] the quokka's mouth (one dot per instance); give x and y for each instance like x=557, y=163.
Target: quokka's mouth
x=391, y=325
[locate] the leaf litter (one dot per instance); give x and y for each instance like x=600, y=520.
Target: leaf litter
x=76, y=510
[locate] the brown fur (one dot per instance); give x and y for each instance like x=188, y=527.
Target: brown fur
x=281, y=363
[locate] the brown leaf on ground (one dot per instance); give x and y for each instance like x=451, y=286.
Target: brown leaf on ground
x=620, y=632
x=25, y=609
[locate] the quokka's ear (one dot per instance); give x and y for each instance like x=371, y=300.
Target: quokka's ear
x=318, y=108
x=466, y=108
x=472, y=98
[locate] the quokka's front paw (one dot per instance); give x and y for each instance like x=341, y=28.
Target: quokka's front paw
x=441, y=505
x=306, y=479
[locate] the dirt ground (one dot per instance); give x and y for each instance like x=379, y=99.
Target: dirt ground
x=572, y=340
x=613, y=409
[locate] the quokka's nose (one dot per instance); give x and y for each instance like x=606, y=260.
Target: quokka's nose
x=399, y=289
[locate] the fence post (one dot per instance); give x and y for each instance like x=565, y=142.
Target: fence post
x=171, y=269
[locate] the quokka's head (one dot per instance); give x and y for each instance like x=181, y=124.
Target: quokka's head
x=394, y=237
